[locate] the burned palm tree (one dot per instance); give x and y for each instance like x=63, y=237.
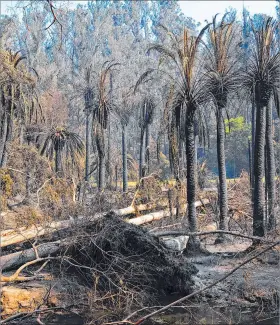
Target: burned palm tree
x=189, y=94
x=147, y=110
x=124, y=110
x=61, y=143
x=222, y=76
x=18, y=99
x=262, y=79
x=88, y=96
x=101, y=115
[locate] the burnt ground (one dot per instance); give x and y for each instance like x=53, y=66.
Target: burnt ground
x=249, y=296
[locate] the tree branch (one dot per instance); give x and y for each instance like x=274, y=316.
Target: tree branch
x=203, y=233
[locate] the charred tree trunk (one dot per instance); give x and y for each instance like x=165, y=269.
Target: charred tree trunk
x=58, y=162
x=108, y=162
x=223, y=200
x=87, y=163
x=100, y=145
x=193, y=243
x=142, y=154
x=4, y=130
x=258, y=214
x=27, y=187
x=124, y=158
x=101, y=169
x=158, y=148
x=147, y=151
x=253, y=130
x=270, y=180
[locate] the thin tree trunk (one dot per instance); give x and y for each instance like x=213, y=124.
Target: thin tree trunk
x=116, y=177
x=108, y=162
x=258, y=211
x=87, y=147
x=142, y=154
x=101, y=178
x=58, y=162
x=158, y=148
x=222, y=174
x=147, y=150
x=270, y=168
x=124, y=158
x=253, y=130
x=265, y=188
x=3, y=137
x=250, y=160
x=21, y=132
x=27, y=187
x=7, y=140
x=193, y=243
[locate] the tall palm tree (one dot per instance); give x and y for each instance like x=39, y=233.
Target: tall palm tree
x=222, y=74
x=88, y=96
x=18, y=100
x=62, y=143
x=262, y=78
x=183, y=56
x=147, y=110
x=124, y=110
x=101, y=115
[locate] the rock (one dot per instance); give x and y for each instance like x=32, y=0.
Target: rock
x=178, y=243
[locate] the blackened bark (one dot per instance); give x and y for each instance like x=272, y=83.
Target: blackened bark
x=87, y=147
x=58, y=161
x=253, y=130
x=193, y=243
x=270, y=181
x=223, y=199
x=142, y=153
x=258, y=211
x=124, y=158
x=101, y=178
x=147, y=151
x=108, y=162
x=191, y=173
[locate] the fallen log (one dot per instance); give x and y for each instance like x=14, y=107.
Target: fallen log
x=161, y=214
x=10, y=261
x=13, y=260
x=11, y=236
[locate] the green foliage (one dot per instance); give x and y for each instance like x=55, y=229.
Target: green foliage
x=235, y=124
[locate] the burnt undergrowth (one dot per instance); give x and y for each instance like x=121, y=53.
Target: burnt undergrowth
x=124, y=259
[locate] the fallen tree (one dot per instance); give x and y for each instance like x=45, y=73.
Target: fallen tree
x=161, y=214
x=11, y=261
x=15, y=236
x=11, y=237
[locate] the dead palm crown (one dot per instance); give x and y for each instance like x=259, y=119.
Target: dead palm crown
x=261, y=78
x=19, y=101
x=61, y=142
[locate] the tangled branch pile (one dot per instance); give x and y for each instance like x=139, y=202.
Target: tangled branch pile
x=123, y=259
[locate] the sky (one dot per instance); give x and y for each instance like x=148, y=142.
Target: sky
x=203, y=10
